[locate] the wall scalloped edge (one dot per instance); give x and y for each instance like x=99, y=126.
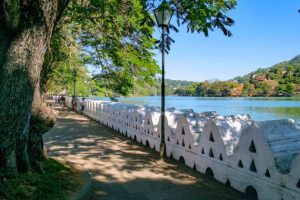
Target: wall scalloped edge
x=234, y=149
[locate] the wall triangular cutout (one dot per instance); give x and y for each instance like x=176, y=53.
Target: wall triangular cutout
x=148, y=122
x=190, y=146
x=177, y=142
x=211, y=137
x=221, y=157
x=240, y=164
x=182, y=131
x=171, y=156
x=182, y=144
x=252, y=147
x=252, y=166
x=202, y=151
x=211, y=153
x=195, y=168
x=298, y=184
x=267, y=174
x=228, y=183
x=168, y=139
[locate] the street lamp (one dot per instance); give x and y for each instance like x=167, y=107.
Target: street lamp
x=74, y=73
x=163, y=15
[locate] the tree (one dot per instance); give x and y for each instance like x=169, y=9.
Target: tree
x=61, y=59
x=25, y=31
x=120, y=45
x=290, y=88
x=263, y=89
x=281, y=90
x=248, y=90
x=26, y=28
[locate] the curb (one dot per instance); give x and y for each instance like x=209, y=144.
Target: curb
x=86, y=191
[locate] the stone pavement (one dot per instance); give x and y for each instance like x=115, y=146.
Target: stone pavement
x=123, y=169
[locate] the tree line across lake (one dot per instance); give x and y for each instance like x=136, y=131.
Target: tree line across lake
x=282, y=79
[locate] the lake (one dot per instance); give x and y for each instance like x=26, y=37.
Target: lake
x=260, y=109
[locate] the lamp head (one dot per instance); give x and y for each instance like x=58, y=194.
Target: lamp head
x=163, y=14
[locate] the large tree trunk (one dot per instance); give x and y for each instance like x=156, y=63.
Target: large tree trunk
x=42, y=119
x=25, y=31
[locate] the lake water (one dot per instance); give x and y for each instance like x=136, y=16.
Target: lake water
x=260, y=109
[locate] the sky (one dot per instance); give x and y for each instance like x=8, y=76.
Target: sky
x=265, y=32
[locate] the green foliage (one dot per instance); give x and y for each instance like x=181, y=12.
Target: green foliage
x=217, y=88
x=117, y=37
x=290, y=89
x=205, y=16
x=282, y=79
x=198, y=16
x=278, y=80
x=284, y=72
x=57, y=182
x=172, y=87
x=62, y=58
x=262, y=89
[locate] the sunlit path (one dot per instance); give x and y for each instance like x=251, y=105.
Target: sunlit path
x=121, y=169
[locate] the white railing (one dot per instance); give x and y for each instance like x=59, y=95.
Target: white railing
x=238, y=151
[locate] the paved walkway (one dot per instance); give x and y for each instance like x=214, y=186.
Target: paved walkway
x=123, y=169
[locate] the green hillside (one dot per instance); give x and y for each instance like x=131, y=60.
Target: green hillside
x=277, y=72
x=282, y=79
x=155, y=89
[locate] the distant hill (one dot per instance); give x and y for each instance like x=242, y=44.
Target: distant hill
x=277, y=72
x=282, y=79
x=155, y=90
x=178, y=83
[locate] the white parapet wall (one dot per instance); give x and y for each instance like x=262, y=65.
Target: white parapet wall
x=235, y=150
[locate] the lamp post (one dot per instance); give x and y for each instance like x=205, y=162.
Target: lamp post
x=163, y=15
x=74, y=73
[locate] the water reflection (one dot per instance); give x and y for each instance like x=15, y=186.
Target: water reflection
x=280, y=112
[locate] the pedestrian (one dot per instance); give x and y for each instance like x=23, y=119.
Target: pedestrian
x=63, y=102
x=82, y=105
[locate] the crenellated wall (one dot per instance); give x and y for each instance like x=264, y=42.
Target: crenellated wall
x=235, y=150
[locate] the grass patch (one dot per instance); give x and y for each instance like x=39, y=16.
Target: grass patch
x=58, y=182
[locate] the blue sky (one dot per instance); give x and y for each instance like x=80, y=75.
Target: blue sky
x=265, y=32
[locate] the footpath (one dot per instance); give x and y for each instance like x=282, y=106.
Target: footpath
x=124, y=170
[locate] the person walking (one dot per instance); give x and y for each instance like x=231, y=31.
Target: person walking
x=82, y=105
x=63, y=102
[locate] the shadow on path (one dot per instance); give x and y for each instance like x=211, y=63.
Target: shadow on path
x=123, y=169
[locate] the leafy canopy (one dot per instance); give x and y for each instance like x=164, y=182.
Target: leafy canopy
x=61, y=59
x=117, y=36
x=113, y=37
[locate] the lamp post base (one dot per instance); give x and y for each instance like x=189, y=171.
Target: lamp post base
x=162, y=150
